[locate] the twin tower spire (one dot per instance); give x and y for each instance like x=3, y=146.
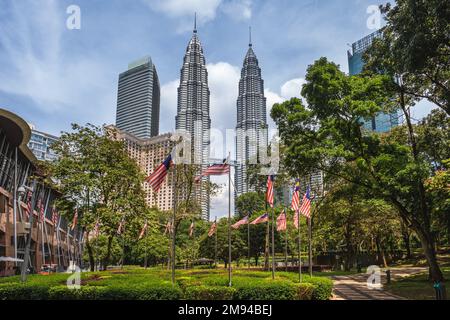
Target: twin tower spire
x=249, y=30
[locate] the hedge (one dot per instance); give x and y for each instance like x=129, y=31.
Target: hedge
x=194, y=286
x=209, y=293
x=323, y=288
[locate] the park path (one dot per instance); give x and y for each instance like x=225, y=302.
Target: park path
x=354, y=287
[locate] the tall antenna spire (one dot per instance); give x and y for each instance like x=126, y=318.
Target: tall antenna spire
x=250, y=36
x=195, y=23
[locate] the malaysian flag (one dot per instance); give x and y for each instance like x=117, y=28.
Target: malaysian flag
x=240, y=222
x=215, y=170
x=261, y=219
x=75, y=219
x=295, y=204
x=191, y=229
x=54, y=217
x=168, y=228
x=157, y=177
x=96, y=229
x=41, y=211
x=121, y=225
x=281, y=221
x=213, y=229
x=269, y=193
x=144, y=229
x=29, y=209
x=305, y=209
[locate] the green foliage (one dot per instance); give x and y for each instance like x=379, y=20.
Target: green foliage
x=323, y=288
x=209, y=293
x=154, y=284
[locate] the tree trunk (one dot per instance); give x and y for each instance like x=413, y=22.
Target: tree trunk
x=108, y=254
x=407, y=242
x=91, y=255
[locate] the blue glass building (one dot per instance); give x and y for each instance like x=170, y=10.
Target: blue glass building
x=382, y=122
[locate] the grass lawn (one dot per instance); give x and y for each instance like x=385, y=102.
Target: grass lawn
x=417, y=287
x=155, y=283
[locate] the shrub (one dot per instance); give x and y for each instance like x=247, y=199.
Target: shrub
x=273, y=290
x=23, y=291
x=305, y=291
x=323, y=288
x=209, y=293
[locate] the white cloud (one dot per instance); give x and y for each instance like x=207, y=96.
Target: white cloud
x=292, y=88
x=183, y=10
x=33, y=66
x=169, y=97
x=238, y=9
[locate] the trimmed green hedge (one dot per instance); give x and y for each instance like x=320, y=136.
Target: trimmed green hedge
x=323, y=288
x=154, y=285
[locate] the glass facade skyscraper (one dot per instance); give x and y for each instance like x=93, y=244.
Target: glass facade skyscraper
x=193, y=112
x=382, y=122
x=251, y=127
x=138, y=99
x=41, y=145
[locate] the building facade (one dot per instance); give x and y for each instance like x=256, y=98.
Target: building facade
x=193, y=113
x=52, y=242
x=41, y=145
x=138, y=99
x=382, y=122
x=251, y=128
x=148, y=154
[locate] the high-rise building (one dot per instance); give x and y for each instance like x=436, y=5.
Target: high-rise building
x=138, y=99
x=382, y=122
x=41, y=145
x=193, y=112
x=148, y=154
x=251, y=128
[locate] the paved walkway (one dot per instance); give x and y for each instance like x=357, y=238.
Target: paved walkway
x=354, y=287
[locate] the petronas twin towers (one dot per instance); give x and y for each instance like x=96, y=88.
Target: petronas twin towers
x=194, y=119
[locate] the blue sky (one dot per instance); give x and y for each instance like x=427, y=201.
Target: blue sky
x=52, y=76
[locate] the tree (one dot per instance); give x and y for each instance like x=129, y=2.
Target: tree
x=416, y=46
x=328, y=136
x=96, y=176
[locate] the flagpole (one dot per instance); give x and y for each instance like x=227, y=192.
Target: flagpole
x=273, y=243
x=310, y=248
x=285, y=239
x=248, y=239
x=215, y=244
x=175, y=191
x=229, y=227
x=299, y=248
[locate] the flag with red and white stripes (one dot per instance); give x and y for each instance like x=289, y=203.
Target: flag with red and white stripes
x=240, y=222
x=215, y=170
x=41, y=210
x=261, y=219
x=269, y=193
x=305, y=209
x=121, y=225
x=168, y=228
x=29, y=209
x=144, y=229
x=75, y=219
x=213, y=229
x=55, y=217
x=156, y=179
x=281, y=221
x=191, y=229
x=295, y=203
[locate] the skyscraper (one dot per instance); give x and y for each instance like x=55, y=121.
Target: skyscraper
x=382, y=122
x=193, y=111
x=251, y=128
x=138, y=99
x=41, y=145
